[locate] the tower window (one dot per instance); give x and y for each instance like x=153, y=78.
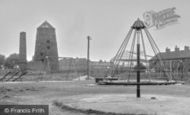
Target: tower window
x=42, y=60
x=48, y=41
x=48, y=47
x=41, y=54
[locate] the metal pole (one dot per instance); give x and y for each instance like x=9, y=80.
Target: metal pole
x=138, y=67
x=88, y=56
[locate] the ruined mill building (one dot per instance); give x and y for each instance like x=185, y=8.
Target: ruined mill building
x=46, y=53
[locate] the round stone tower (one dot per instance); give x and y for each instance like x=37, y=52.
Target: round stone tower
x=46, y=47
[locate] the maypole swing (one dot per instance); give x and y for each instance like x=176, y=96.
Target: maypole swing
x=137, y=59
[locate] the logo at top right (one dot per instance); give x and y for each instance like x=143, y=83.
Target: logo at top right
x=160, y=19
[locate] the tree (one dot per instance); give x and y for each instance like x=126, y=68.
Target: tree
x=12, y=60
x=2, y=59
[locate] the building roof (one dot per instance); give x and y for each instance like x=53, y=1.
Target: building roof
x=46, y=25
x=171, y=55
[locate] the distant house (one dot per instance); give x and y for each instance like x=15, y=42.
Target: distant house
x=100, y=64
x=72, y=64
x=177, y=60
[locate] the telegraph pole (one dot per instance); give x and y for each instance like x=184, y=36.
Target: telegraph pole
x=88, y=56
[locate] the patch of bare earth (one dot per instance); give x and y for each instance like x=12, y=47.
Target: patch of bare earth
x=84, y=95
x=128, y=103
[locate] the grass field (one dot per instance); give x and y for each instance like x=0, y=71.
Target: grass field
x=48, y=92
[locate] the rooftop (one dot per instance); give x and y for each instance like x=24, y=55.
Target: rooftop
x=46, y=25
x=176, y=54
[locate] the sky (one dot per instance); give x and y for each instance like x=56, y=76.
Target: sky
x=106, y=21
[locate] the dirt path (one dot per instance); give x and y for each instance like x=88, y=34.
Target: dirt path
x=128, y=103
x=76, y=91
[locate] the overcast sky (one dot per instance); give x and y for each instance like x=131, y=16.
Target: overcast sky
x=106, y=21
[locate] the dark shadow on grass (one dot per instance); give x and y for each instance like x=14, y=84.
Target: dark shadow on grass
x=64, y=107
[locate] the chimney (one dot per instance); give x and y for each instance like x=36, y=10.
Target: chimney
x=22, y=48
x=167, y=50
x=186, y=48
x=22, y=51
x=176, y=49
